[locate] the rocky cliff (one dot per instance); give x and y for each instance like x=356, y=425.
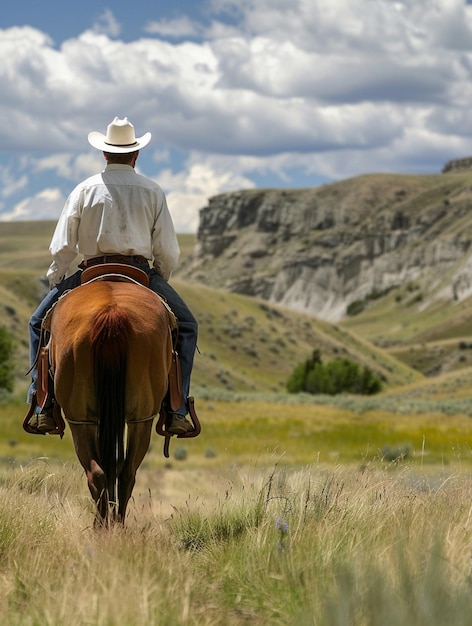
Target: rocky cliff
x=322, y=249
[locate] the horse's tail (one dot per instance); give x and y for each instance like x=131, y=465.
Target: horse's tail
x=109, y=351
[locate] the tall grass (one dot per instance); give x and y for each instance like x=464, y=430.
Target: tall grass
x=310, y=546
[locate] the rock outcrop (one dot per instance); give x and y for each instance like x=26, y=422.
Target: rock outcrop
x=457, y=165
x=320, y=250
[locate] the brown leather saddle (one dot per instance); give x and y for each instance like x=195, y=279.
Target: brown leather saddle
x=115, y=271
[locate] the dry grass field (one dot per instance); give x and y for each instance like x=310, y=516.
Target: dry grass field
x=286, y=510
x=319, y=545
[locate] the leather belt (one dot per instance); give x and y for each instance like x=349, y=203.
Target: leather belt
x=115, y=258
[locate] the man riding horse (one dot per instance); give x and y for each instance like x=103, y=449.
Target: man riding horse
x=117, y=216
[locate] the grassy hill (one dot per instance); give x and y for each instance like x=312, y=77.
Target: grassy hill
x=392, y=250
x=245, y=344
x=248, y=348
x=249, y=345
x=433, y=339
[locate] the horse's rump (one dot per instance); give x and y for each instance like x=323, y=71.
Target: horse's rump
x=119, y=321
x=111, y=351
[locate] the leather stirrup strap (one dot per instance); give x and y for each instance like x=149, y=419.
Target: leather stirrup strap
x=175, y=383
x=44, y=379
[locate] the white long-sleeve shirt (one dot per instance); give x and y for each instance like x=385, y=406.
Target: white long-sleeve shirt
x=115, y=212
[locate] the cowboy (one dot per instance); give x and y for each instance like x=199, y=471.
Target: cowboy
x=117, y=216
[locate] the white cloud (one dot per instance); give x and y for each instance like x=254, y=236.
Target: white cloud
x=355, y=25
x=225, y=95
x=187, y=191
x=107, y=24
x=46, y=205
x=70, y=166
x=178, y=27
x=11, y=182
x=333, y=87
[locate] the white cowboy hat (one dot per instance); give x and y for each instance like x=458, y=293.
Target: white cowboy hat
x=120, y=138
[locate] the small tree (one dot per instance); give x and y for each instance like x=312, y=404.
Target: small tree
x=6, y=363
x=337, y=376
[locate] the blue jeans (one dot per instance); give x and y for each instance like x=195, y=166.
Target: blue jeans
x=186, y=339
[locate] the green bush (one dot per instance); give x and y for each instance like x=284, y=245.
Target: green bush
x=337, y=376
x=297, y=380
x=6, y=363
x=355, y=307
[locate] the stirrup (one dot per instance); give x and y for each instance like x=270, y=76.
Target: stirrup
x=161, y=423
x=56, y=413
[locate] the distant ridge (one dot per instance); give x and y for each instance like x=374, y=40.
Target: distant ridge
x=458, y=165
x=323, y=249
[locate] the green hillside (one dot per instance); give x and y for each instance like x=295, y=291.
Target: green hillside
x=248, y=345
x=245, y=344
x=434, y=339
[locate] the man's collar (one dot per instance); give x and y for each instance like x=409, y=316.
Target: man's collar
x=118, y=166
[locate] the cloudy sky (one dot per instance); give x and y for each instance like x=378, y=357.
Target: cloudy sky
x=236, y=93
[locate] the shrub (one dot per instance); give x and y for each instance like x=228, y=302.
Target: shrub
x=355, y=307
x=337, y=376
x=298, y=378
x=180, y=454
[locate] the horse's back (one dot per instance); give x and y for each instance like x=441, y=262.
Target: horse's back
x=133, y=317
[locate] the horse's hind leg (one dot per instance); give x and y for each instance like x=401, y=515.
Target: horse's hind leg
x=139, y=436
x=85, y=442
x=98, y=489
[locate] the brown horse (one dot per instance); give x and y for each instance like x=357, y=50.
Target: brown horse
x=111, y=352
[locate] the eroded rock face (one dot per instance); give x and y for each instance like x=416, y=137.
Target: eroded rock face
x=319, y=250
x=458, y=165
